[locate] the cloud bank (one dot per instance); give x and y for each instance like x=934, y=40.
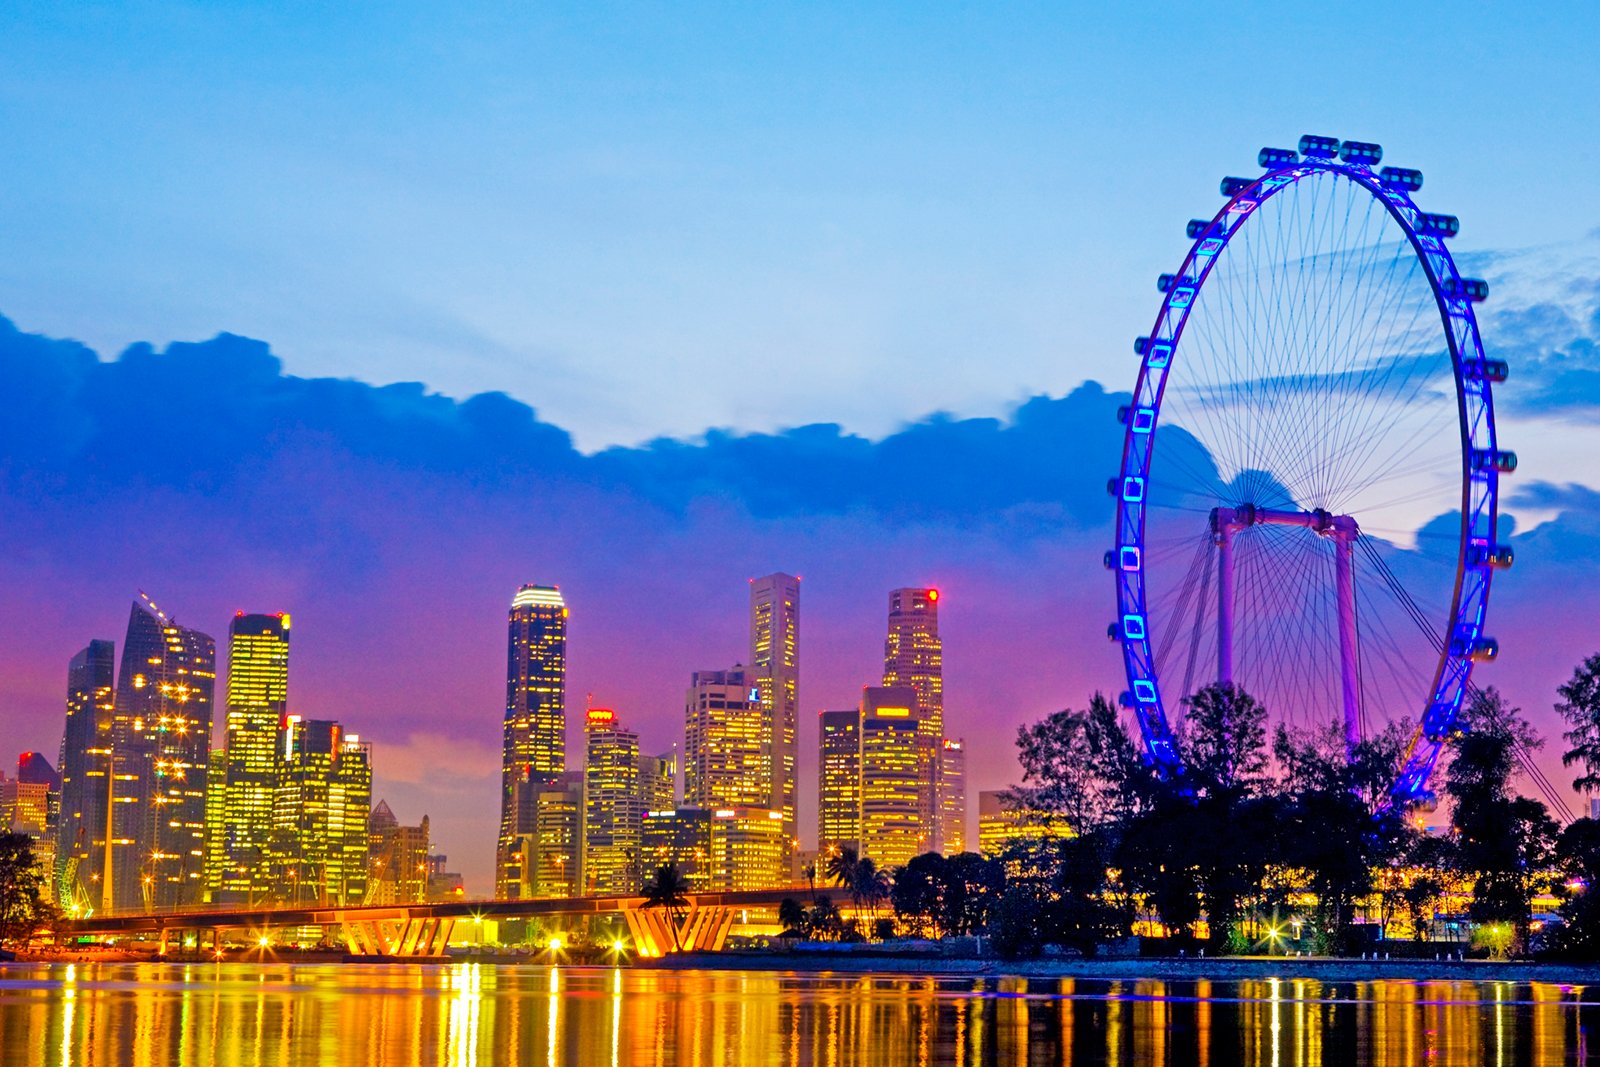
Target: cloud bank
x=395, y=524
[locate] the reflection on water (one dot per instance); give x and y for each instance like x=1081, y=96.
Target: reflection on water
x=396, y=1016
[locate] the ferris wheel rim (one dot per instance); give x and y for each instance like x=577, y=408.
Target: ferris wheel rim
x=1481, y=459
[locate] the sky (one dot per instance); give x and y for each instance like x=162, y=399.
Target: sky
x=645, y=300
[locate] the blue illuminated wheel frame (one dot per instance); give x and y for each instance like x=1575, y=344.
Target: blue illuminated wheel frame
x=1481, y=460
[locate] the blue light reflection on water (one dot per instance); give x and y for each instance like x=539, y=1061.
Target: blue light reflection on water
x=328, y=1014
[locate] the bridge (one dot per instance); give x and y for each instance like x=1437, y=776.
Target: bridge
x=413, y=931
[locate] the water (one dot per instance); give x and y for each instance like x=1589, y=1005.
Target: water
x=176, y=1014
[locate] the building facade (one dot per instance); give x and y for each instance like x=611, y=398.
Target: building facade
x=613, y=805
x=953, y=795
x=533, y=755
x=775, y=674
x=726, y=760
x=554, y=849
x=839, y=781
x=658, y=782
x=82, y=828
x=30, y=805
x=399, y=856
x=913, y=655
x=680, y=838
x=1001, y=824
x=320, y=807
x=257, y=705
x=161, y=751
x=893, y=829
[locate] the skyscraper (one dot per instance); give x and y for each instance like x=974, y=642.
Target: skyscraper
x=397, y=858
x=953, y=795
x=914, y=656
x=726, y=763
x=555, y=845
x=320, y=808
x=29, y=804
x=161, y=748
x=658, y=782
x=839, y=781
x=258, y=694
x=85, y=764
x=216, y=863
x=613, y=805
x=892, y=826
x=534, y=746
x=775, y=674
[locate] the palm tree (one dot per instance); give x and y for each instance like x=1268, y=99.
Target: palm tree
x=792, y=917
x=668, y=889
x=841, y=866
x=869, y=886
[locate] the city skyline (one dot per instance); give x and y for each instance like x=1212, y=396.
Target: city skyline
x=279, y=795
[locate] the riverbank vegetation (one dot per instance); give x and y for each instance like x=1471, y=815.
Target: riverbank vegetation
x=1273, y=839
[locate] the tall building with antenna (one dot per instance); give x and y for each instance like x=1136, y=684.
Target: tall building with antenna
x=913, y=657
x=533, y=754
x=774, y=673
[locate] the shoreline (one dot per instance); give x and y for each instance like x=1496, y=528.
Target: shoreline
x=1111, y=969
x=1224, y=969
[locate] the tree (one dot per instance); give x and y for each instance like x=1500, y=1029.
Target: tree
x=1331, y=831
x=1224, y=740
x=1580, y=707
x=841, y=866
x=1503, y=841
x=859, y=876
x=24, y=911
x=825, y=922
x=669, y=890
x=916, y=892
x=951, y=895
x=793, y=918
x=1080, y=765
x=1578, y=853
x=869, y=887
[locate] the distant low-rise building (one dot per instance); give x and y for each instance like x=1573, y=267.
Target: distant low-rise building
x=398, y=858
x=1002, y=824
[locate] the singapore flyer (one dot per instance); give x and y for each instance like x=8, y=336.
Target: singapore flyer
x=1307, y=501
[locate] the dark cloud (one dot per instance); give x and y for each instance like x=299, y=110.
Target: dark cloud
x=396, y=523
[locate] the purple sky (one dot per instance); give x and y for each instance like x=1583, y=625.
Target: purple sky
x=396, y=524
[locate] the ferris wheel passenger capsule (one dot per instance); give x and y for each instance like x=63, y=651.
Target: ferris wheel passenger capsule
x=1480, y=650
x=1484, y=459
x=1197, y=228
x=1319, y=147
x=1273, y=158
x=1232, y=186
x=1474, y=289
x=1361, y=152
x=1401, y=178
x=1488, y=370
x=1498, y=557
x=1438, y=225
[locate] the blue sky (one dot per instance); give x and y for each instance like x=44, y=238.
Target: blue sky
x=648, y=219
x=660, y=219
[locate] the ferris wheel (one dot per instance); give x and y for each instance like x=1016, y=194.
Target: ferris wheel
x=1307, y=503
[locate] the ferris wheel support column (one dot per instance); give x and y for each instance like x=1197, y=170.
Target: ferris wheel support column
x=1224, y=600
x=1344, y=537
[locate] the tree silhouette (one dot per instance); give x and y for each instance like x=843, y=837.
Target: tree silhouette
x=668, y=890
x=1580, y=706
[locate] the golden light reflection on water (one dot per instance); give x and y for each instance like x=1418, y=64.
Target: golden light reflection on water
x=471, y=1014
